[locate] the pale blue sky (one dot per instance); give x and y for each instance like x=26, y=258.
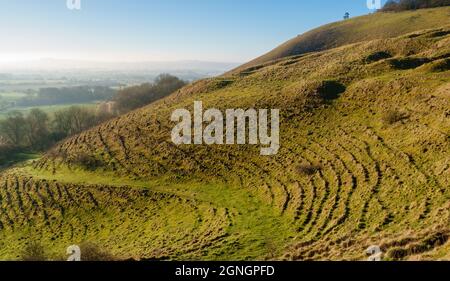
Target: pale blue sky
x=132, y=30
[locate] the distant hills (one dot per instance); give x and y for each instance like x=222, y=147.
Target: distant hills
x=201, y=68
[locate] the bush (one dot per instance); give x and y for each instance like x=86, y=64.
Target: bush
x=309, y=169
x=393, y=116
x=34, y=251
x=6, y=152
x=330, y=90
x=87, y=161
x=92, y=252
x=377, y=56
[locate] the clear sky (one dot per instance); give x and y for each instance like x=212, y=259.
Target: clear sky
x=134, y=30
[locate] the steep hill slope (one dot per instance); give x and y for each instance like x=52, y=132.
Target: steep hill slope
x=363, y=28
x=364, y=159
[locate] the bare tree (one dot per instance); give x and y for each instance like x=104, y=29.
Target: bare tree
x=37, y=128
x=134, y=97
x=13, y=128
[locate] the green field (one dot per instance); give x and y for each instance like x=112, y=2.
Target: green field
x=11, y=95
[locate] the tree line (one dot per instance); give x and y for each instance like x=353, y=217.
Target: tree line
x=68, y=95
x=137, y=96
x=38, y=130
x=404, y=5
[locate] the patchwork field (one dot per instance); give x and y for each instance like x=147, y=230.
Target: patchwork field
x=364, y=160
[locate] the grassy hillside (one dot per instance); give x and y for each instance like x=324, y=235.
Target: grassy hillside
x=364, y=159
x=358, y=29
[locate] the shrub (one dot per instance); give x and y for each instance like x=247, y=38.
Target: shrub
x=308, y=169
x=34, y=251
x=6, y=153
x=397, y=253
x=87, y=161
x=330, y=90
x=377, y=56
x=393, y=116
x=408, y=63
x=92, y=252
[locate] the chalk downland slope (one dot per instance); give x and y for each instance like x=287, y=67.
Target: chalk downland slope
x=358, y=29
x=364, y=159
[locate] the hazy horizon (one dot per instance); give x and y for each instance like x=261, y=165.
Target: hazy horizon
x=139, y=31
x=64, y=64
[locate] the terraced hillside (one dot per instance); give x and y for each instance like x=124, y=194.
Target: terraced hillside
x=364, y=159
x=33, y=208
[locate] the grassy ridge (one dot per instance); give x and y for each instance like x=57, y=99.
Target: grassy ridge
x=359, y=29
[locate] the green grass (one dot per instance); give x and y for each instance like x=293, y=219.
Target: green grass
x=376, y=182
x=261, y=230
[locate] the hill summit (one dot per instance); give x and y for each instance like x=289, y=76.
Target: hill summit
x=369, y=27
